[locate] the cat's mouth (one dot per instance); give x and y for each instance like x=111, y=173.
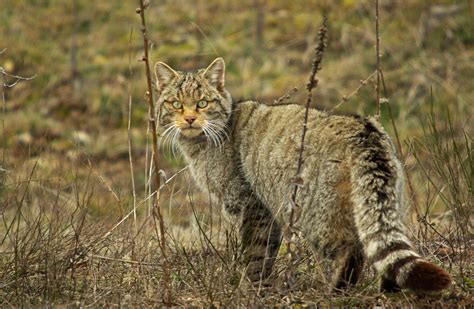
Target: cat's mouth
x=191, y=131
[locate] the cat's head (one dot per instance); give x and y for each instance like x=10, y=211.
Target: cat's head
x=193, y=104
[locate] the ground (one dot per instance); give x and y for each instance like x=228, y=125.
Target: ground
x=69, y=234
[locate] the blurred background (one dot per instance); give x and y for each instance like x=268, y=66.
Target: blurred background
x=65, y=137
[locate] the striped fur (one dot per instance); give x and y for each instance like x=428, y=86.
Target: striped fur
x=378, y=200
x=352, y=204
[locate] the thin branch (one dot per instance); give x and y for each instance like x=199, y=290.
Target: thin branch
x=377, y=47
x=411, y=191
x=354, y=92
x=129, y=130
x=143, y=5
x=380, y=79
x=312, y=83
x=151, y=196
x=4, y=103
x=17, y=77
x=284, y=98
x=298, y=181
x=149, y=93
x=4, y=84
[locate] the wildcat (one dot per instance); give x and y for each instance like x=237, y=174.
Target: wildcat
x=351, y=199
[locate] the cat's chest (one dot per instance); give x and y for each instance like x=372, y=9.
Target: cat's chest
x=212, y=168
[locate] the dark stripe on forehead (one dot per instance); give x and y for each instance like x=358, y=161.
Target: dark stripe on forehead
x=187, y=86
x=197, y=89
x=180, y=82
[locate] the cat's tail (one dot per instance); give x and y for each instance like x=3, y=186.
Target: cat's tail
x=377, y=195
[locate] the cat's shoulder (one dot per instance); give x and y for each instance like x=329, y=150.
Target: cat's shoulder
x=246, y=109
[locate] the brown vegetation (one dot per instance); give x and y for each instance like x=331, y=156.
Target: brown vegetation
x=74, y=232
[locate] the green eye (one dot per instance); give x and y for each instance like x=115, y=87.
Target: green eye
x=176, y=104
x=202, y=104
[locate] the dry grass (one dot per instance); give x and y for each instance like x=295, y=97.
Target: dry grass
x=62, y=244
x=67, y=231
x=69, y=238
x=55, y=251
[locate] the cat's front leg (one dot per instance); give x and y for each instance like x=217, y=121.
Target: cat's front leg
x=259, y=231
x=261, y=237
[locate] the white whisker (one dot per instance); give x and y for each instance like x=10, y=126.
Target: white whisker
x=219, y=128
x=167, y=130
x=215, y=132
x=167, y=137
x=174, y=141
x=208, y=138
x=211, y=135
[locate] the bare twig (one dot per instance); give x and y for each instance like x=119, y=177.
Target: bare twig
x=380, y=79
x=103, y=180
x=298, y=181
x=283, y=99
x=143, y=5
x=312, y=83
x=149, y=93
x=354, y=92
x=151, y=196
x=129, y=130
x=411, y=192
x=16, y=77
x=5, y=84
x=377, y=48
x=3, y=118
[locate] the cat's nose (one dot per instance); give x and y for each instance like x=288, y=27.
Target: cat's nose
x=190, y=119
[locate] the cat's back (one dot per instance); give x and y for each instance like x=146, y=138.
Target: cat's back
x=276, y=130
x=269, y=140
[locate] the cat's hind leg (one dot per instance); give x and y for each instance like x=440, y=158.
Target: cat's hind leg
x=261, y=237
x=348, y=266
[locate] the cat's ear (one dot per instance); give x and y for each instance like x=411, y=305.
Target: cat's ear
x=164, y=74
x=215, y=73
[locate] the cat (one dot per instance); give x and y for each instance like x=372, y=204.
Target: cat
x=351, y=197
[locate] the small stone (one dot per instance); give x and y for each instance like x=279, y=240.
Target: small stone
x=25, y=139
x=81, y=138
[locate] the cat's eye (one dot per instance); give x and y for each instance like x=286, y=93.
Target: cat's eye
x=202, y=104
x=176, y=104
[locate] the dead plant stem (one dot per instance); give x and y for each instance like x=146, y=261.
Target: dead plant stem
x=377, y=47
x=3, y=125
x=129, y=124
x=298, y=181
x=143, y=5
x=411, y=192
x=312, y=83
